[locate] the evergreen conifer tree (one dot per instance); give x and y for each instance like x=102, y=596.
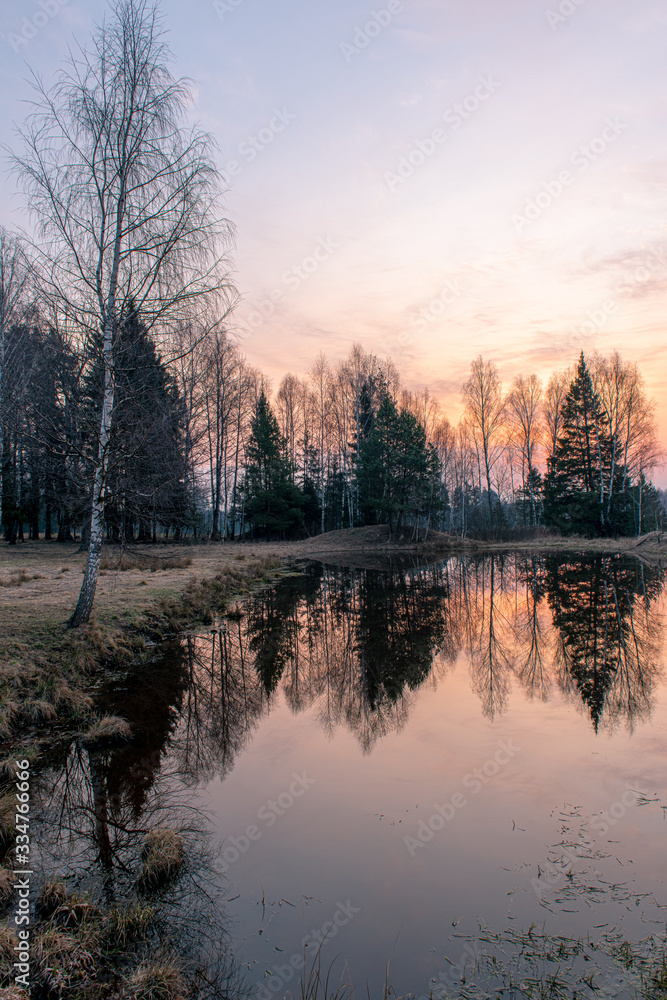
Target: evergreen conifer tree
x=399, y=471
x=576, y=486
x=273, y=503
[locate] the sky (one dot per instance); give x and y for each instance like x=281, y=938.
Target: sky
x=432, y=179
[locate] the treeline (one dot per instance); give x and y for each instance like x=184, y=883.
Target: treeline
x=200, y=447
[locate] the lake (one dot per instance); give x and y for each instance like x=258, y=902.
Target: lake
x=392, y=763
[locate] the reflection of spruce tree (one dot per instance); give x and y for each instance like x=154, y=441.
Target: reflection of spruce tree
x=150, y=700
x=399, y=627
x=592, y=601
x=273, y=626
x=354, y=643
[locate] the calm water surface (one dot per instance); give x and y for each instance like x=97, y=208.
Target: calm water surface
x=395, y=757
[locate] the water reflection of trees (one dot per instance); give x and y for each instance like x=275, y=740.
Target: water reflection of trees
x=588, y=625
x=99, y=798
x=352, y=643
x=355, y=644
x=608, y=633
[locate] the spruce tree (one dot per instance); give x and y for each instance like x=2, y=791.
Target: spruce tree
x=577, y=483
x=399, y=472
x=146, y=463
x=273, y=503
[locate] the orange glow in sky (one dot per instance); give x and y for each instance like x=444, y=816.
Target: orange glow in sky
x=433, y=179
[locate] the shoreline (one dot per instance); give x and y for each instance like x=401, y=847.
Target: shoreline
x=148, y=593
x=48, y=673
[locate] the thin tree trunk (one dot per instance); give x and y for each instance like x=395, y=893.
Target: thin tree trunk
x=87, y=594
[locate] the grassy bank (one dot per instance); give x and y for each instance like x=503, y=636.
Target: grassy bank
x=47, y=672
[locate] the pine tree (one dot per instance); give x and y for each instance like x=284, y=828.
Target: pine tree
x=273, y=503
x=399, y=473
x=146, y=437
x=146, y=464
x=577, y=484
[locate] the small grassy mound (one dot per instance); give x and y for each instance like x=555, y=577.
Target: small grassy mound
x=6, y=887
x=123, y=926
x=17, y=577
x=157, y=979
x=50, y=899
x=7, y=813
x=82, y=952
x=8, y=940
x=110, y=728
x=163, y=856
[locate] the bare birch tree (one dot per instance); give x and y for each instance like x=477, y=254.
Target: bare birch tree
x=554, y=398
x=485, y=411
x=124, y=195
x=631, y=418
x=320, y=377
x=524, y=412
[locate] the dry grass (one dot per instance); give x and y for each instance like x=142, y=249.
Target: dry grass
x=125, y=560
x=53, y=572
x=122, y=927
x=157, y=979
x=84, y=952
x=7, y=813
x=655, y=984
x=8, y=941
x=6, y=887
x=63, y=961
x=163, y=857
x=46, y=670
x=52, y=896
x=17, y=578
x=109, y=727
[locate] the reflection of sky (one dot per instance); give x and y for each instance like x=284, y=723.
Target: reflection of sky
x=344, y=837
x=588, y=272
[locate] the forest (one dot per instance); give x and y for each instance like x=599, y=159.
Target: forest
x=201, y=448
